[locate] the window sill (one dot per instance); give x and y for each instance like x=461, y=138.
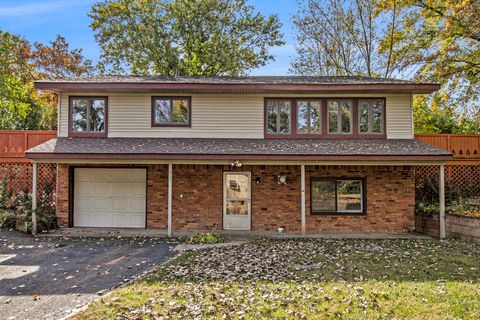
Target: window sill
x=171, y=125
x=333, y=213
x=87, y=135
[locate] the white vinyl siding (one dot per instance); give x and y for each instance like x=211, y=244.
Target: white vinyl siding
x=399, y=114
x=220, y=115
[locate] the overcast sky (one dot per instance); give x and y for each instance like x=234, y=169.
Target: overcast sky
x=42, y=20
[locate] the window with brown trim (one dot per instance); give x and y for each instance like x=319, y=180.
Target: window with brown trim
x=337, y=196
x=317, y=117
x=88, y=116
x=371, y=116
x=340, y=116
x=309, y=116
x=279, y=116
x=171, y=111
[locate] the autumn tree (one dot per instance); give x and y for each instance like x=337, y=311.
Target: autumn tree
x=439, y=41
x=21, y=106
x=344, y=38
x=56, y=60
x=189, y=37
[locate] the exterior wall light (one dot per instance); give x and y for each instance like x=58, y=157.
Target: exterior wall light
x=236, y=164
x=282, y=179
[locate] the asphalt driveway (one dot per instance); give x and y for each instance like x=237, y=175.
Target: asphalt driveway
x=48, y=278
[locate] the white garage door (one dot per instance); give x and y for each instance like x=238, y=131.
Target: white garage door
x=109, y=198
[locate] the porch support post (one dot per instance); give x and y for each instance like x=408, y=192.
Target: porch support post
x=169, y=222
x=34, y=198
x=302, y=188
x=441, y=191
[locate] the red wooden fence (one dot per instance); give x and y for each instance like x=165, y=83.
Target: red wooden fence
x=465, y=148
x=15, y=169
x=14, y=143
x=464, y=169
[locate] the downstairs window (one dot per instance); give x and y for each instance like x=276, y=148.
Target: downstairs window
x=337, y=196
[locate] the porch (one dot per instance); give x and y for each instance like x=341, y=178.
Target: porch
x=186, y=198
x=308, y=186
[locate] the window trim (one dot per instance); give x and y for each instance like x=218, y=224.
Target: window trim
x=382, y=125
x=88, y=134
x=336, y=212
x=171, y=98
x=355, y=134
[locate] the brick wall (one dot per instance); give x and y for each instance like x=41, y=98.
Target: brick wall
x=157, y=193
x=390, y=200
x=62, y=194
x=198, y=198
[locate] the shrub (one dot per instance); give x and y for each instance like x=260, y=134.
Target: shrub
x=8, y=219
x=16, y=209
x=205, y=238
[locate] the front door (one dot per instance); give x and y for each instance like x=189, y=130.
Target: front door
x=236, y=201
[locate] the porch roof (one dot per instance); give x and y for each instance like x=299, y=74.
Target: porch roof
x=237, y=149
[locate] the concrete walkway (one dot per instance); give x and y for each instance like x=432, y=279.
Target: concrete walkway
x=229, y=235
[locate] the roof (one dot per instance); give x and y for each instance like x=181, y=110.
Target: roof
x=236, y=149
x=247, y=84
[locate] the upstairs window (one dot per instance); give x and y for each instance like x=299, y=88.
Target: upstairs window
x=171, y=111
x=279, y=115
x=309, y=119
x=371, y=116
x=88, y=115
x=340, y=116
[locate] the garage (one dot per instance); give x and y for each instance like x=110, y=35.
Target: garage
x=109, y=197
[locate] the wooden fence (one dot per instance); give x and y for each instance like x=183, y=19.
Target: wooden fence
x=465, y=147
x=14, y=143
x=16, y=169
x=463, y=171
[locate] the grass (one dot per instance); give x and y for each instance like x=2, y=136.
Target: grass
x=311, y=279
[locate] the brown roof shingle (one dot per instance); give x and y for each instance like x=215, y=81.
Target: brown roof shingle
x=187, y=148
x=236, y=80
x=247, y=84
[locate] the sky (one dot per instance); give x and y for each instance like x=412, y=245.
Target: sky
x=42, y=20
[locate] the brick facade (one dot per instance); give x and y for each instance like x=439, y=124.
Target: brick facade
x=198, y=198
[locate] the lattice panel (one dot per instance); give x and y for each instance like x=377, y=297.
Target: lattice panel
x=459, y=178
x=422, y=172
x=464, y=175
x=18, y=177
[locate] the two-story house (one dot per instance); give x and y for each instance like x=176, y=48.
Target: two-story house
x=183, y=154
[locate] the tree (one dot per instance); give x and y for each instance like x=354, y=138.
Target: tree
x=57, y=61
x=189, y=37
x=343, y=38
x=21, y=106
x=18, y=103
x=433, y=116
x=439, y=41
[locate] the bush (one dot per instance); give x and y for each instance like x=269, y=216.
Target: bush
x=8, y=219
x=16, y=209
x=205, y=238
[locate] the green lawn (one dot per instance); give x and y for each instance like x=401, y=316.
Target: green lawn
x=310, y=279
